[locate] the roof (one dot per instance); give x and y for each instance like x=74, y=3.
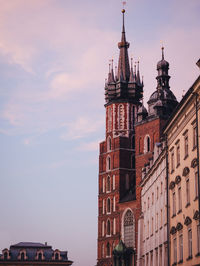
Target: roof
x=29, y=245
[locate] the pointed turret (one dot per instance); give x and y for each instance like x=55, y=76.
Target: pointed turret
x=131, y=79
x=111, y=78
x=123, y=64
x=138, y=75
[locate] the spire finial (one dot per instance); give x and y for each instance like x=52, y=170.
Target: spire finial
x=123, y=11
x=162, y=52
x=138, y=63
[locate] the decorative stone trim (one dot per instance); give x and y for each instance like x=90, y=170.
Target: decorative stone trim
x=177, y=179
x=187, y=220
x=186, y=171
x=172, y=185
x=179, y=226
x=194, y=163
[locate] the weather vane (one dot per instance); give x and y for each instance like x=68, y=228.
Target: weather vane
x=124, y=3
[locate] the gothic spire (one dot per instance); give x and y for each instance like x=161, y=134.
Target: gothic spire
x=123, y=64
x=138, y=74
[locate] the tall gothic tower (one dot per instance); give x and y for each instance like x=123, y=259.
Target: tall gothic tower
x=117, y=180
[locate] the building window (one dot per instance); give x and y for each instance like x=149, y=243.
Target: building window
x=187, y=192
x=175, y=250
x=114, y=203
x=152, y=199
x=108, y=228
x=194, y=136
x=114, y=226
x=156, y=264
x=127, y=182
x=108, y=249
x=109, y=144
x=109, y=119
x=102, y=228
x=190, y=242
x=108, y=184
x=40, y=256
x=6, y=255
x=129, y=229
x=156, y=221
x=23, y=256
x=148, y=203
x=108, y=163
x=160, y=256
x=174, y=204
x=152, y=223
x=179, y=199
x=196, y=184
x=147, y=229
x=198, y=238
x=180, y=247
x=178, y=154
x=147, y=144
x=108, y=207
x=172, y=160
x=186, y=143
x=113, y=182
x=161, y=218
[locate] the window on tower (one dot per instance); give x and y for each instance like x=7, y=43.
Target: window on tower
x=108, y=205
x=108, y=228
x=108, y=250
x=147, y=144
x=109, y=119
x=108, y=163
x=108, y=185
x=109, y=144
x=129, y=229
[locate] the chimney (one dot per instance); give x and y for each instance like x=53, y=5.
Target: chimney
x=198, y=63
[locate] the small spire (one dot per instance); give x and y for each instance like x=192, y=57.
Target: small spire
x=131, y=79
x=138, y=74
x=123, y=64
x=111, y=78
x=162, y=53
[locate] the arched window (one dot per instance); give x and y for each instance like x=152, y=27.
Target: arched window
x=147, y=144
x=22, y=256
x=114, y=226
x=108, y=163
x=108, y=207
x=109, y=144
x=121, y=116
x=40, y=256
x=6, y=255
x=108, y=249
x=56, y=256
x=108, y=184
x=108, y=228
x=129, y=229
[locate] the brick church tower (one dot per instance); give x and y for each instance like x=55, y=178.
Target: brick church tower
x=130, y=136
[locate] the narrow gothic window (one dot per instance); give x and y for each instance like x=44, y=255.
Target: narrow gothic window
x=102, y=251
x=109, y=144
x=108, y=250
x=108, y=205
x=180, y=247
x=22, y=256
x=148, y=144
x=113, y=182
x=102, y=229
x=129, y=229
x=189, y=242
x=108, y=227
x=108, y=163
x=40, y=256
x=108, y=184
x=56, y=256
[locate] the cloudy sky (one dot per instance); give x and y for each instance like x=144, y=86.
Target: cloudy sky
x=54, y=57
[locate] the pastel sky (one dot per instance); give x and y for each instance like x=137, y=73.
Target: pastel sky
x=54, y=57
